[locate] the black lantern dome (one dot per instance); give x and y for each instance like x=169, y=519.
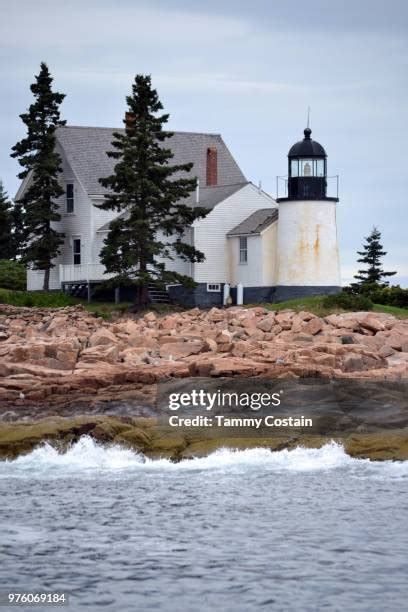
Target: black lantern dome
x=307, y=170
x=307, y=147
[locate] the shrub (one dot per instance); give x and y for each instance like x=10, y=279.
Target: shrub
x=13, y=275
x=390, y=296
x=348, y=301
x=380, y=294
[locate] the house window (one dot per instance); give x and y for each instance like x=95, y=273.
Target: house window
x=243, y=250
x=214, y=287
x=70, y=197
x=76, y=247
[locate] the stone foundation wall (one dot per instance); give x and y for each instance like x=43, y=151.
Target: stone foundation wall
x=199, y=296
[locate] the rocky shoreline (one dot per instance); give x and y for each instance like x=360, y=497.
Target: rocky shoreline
x=66, y=373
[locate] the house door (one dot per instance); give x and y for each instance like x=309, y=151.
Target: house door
x=76, y=246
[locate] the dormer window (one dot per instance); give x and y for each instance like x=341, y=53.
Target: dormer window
x=70, y=198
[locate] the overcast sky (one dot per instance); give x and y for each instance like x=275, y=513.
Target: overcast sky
x=247, y=70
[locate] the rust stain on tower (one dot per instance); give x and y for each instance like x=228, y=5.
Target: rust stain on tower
x=316, y=244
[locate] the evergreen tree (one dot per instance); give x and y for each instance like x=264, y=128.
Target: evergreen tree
x=18, y=235
x=6, y=243
x=37, y=155
x=149, y=198
x=371, y=255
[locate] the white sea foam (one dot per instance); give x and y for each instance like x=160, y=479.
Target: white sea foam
x=87, y=456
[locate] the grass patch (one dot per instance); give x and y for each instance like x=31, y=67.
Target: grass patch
x=108, y=310
x=315, y=305
x=400, y=313
x=312, y=304
x=105, y=310
x=58, y=299
x=35, y=299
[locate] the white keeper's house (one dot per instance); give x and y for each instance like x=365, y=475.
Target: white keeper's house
x=271, y=249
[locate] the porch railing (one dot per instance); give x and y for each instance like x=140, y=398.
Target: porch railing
x=83, y=273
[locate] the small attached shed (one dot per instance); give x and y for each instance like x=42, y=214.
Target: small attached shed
x=252, y=252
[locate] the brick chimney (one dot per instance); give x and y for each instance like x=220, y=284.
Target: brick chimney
x=212, y=166
x=130, y=120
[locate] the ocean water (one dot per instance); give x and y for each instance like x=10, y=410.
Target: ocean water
x=235, y=531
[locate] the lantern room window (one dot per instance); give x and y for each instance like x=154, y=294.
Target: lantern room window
x=319, y=164
x=307, y=168
x=294, y=168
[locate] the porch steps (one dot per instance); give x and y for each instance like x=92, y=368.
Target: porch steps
x=158, y=295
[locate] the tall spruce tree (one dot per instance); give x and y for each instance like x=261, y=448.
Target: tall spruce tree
x=6, y=240
x=371, y=255
x=18, y=229
x=148, y=197
x=37, y=155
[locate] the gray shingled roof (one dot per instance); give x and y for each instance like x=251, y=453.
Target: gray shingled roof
x=256, y=222
x=85, y=148
x=209, y=198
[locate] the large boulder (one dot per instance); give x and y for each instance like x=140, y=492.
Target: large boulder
x=134, y=356
x=94, y=354
x=284, y=319
x=313, y=327
x=266, y=323
x=102, y=337
x=372, y=323
x=178, y=350
x=57, y=325
x=215, y=315
x=142, y=340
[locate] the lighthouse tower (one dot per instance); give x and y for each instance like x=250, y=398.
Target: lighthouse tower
x=307, y=253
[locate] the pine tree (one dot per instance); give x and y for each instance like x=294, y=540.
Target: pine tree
x=6, y=243
x=37, y=155
x=18, y=229
x=371, y=255
x=148, y=197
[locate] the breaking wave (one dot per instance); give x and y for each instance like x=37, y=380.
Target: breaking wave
x=87, y=456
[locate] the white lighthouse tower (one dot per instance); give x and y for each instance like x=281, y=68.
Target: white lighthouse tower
x=307, y=253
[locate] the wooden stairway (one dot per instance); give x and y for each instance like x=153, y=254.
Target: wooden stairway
x=158, y=294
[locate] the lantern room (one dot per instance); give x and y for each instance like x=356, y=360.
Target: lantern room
x=307, y=170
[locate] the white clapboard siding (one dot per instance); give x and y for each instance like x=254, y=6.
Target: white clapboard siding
x=250, y=274
x=99, y=218
x=210, y=232
x=176, y=264
x=74, y=225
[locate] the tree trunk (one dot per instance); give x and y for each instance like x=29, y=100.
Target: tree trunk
x=142, y=298
x=46, y=285
x=142, y=294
